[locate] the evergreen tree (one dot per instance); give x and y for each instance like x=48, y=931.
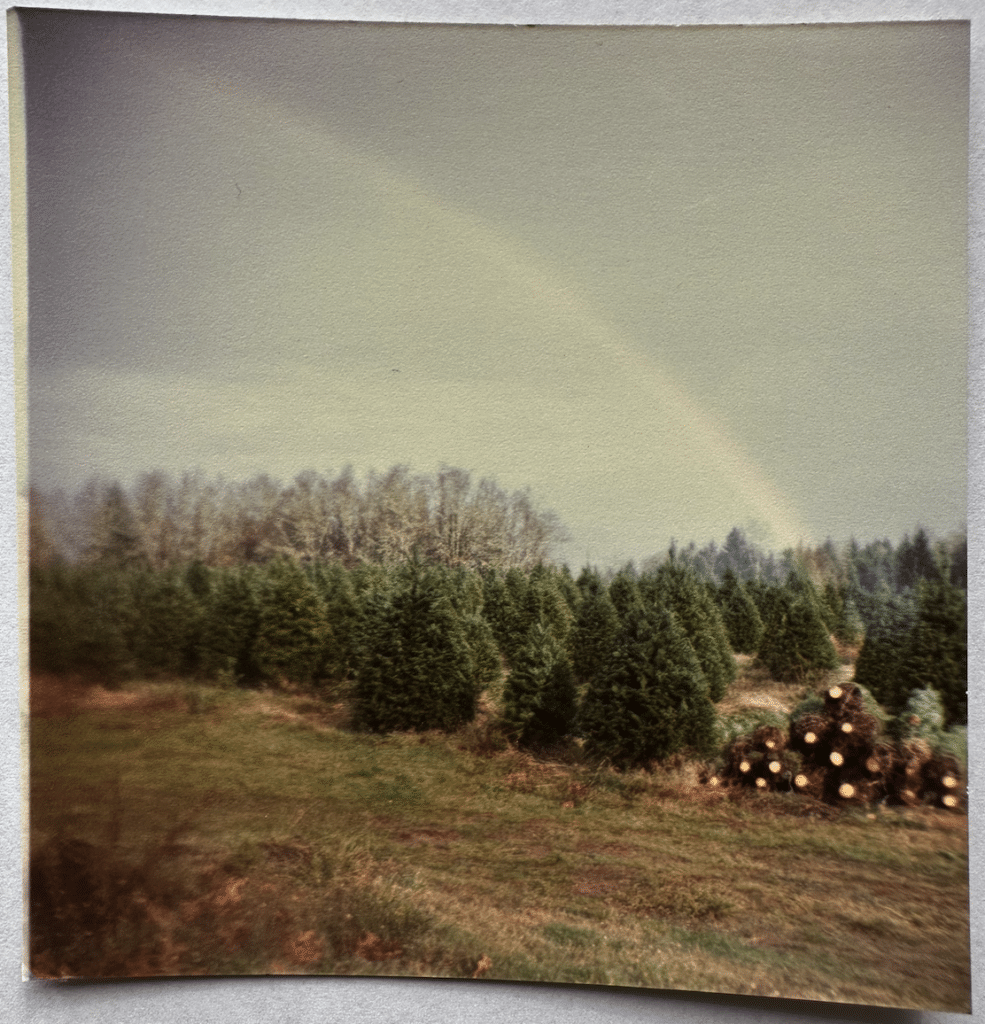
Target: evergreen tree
x=676, y=587
x=515, y=611
x=483, y=650
x=164, y=622
x=292, y=630
x=566, y=586
x=877, y=667
x=79, y=621
x=840, y=613
x=651, y=698
x=416, y=668
x=936, y=652
x=625, y=594
x=915, y=562
x=539, y=698
x=342, y=613
x=595, y=632
x=229, y=628
x=497, y=606
x=545, y=602
x=740, y=615
x=796, y=644
x=114, y=538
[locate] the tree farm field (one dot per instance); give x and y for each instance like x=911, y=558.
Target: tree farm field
x=181, y=828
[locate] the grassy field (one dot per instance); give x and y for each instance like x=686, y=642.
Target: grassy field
x=183, y=830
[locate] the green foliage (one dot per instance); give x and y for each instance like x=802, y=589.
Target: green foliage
x=796, y=645
x=231, y=622
x=292, y=630
x=595, y=632
x=740, y=615
x=498, y=608
x=839, y=612
x=486, y=665
x=923, y=717
x=731, y=727
x=878, y=666
x=164, y=623
x=651, y=698
x=813, y=704
x=568, y=589
x=343, y=614
x=416, y=667
x=539, y=697
x=936, y=651
x=79, y=618
x=624, y=593
x=113, y=535
x=675, y=586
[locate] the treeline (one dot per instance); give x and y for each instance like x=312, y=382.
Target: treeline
x=417, y=593
x=634, y=666
x=906, y=603
x=866, y=569
x=162, y=521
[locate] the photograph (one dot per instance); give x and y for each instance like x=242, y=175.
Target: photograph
x=496, y=502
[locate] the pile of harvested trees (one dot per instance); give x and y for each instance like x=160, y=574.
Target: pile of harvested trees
x=835, y=751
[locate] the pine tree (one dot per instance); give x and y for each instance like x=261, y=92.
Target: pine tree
x=676, y=587
x=114, y=538
x=877, y=667
x=292, y=631
x=342, y=613
x=497, y=607
x=740, y=615
x=624, y=593
x=651, y=698
x=79, y=621
x=545, y=602
x=165, y=619
x=594, y=634
x=229, y=629
x=915, y=562
x=796, y=645
x=936, y=652
x=539, y=697
x=568, y=589
x=416, y=668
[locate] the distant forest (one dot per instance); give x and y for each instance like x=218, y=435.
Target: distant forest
x=419, y=593
x=162, y=521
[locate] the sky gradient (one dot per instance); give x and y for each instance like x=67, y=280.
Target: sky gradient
x=674, y=280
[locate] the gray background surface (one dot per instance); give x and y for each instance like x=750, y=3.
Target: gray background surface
x=331, y=999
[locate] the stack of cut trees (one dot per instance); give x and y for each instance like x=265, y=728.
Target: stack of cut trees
x=837, y=753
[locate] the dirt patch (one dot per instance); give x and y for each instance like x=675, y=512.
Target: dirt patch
x=310, y=713
x=63, y=697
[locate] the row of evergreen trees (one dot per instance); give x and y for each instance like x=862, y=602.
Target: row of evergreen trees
x=635, y=666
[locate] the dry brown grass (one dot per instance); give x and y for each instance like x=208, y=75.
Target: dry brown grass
x=324, y=851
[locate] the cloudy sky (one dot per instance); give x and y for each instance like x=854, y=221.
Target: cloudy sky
x=674, y=280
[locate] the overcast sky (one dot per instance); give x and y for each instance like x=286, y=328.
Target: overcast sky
x=674, y=280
